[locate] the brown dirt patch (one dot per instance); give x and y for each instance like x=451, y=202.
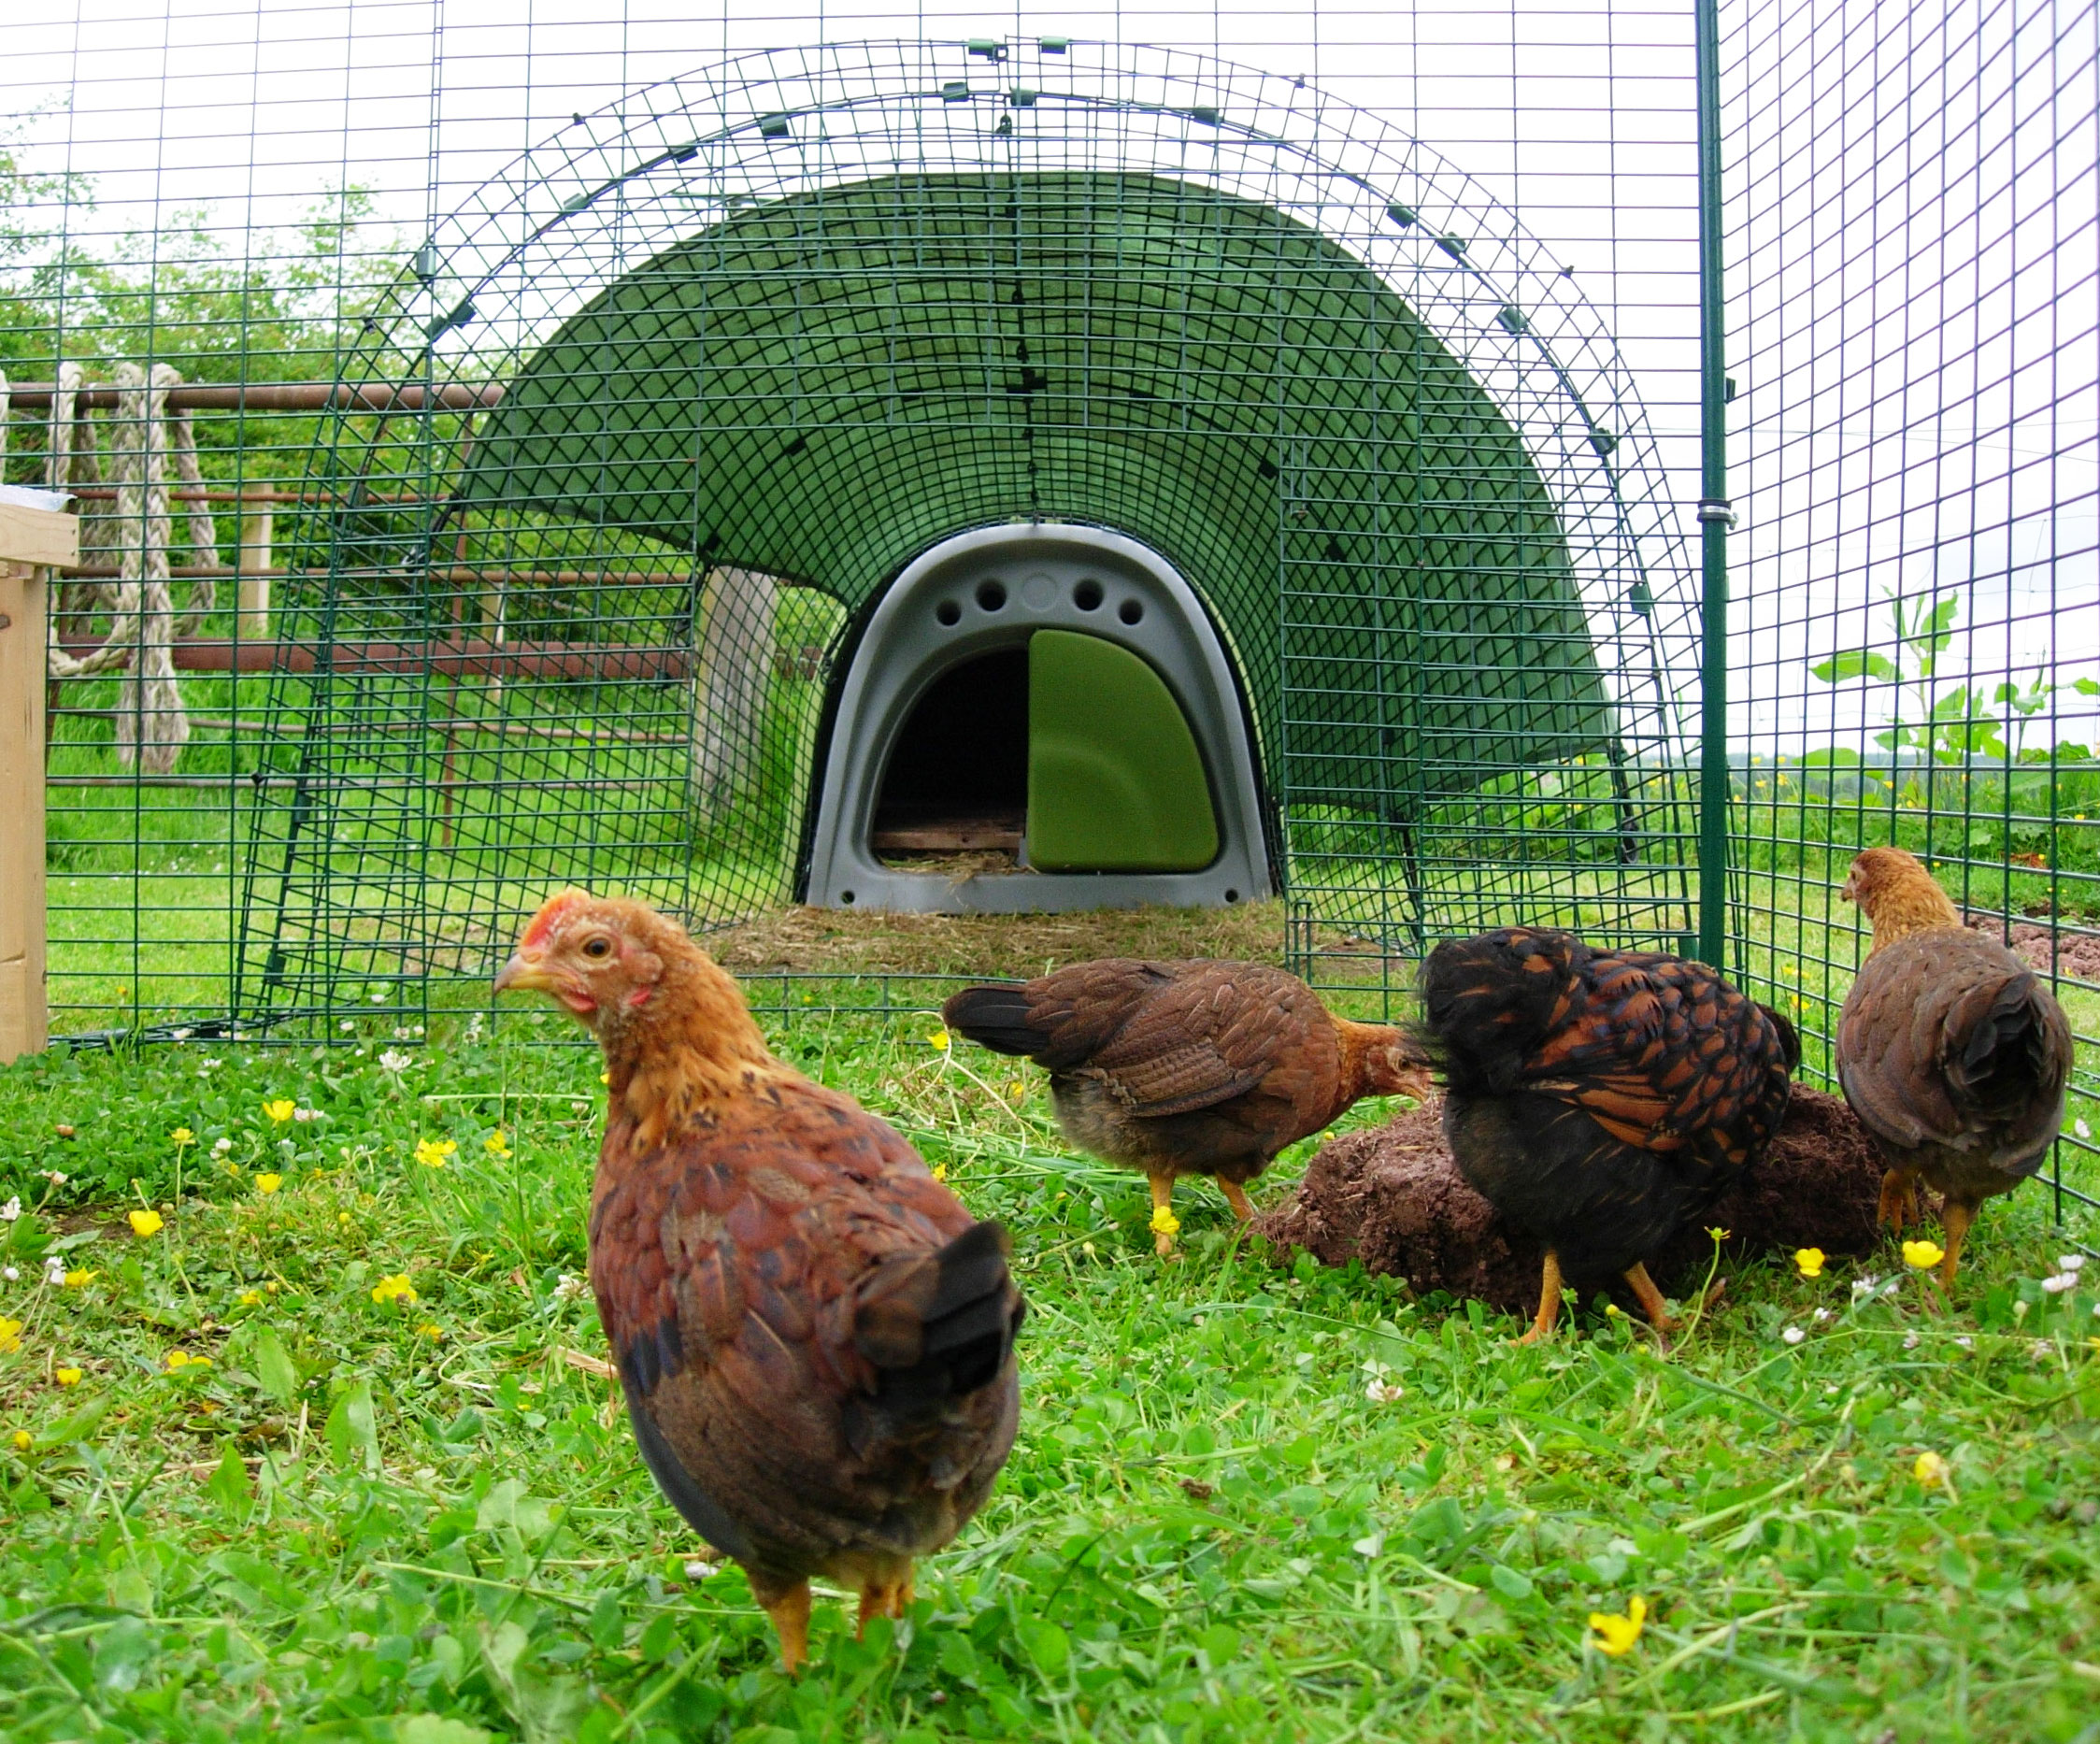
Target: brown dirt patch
x=837, y=941
x=1391, y=1197
x=2076, y=955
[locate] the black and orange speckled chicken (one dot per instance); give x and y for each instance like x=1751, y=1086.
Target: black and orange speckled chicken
x=815, y=1338
x=1601, y=1099
x=1952, y=1054
x=1189, y=1068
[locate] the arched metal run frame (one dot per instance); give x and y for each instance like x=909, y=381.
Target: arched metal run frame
x=747, y=342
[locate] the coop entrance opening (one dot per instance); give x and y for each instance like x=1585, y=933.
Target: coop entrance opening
x=1036, y=718
x=957, y=781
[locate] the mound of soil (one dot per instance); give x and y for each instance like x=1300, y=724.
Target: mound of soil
x=2076, y=955
x=1391, y=1197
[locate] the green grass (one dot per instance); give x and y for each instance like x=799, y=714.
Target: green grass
x=351, y=1525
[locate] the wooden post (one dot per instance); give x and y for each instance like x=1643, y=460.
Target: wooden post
x=251, y=560
x=33, y=541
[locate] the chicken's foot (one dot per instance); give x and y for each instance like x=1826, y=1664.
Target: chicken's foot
x=884, y=1598
x=1955, y=1216
x=1162, y=1212
x=1650, y=1299
x=1236, y=1196
x=1899, y=1200
x=1548, y=1300
x=790, y=1611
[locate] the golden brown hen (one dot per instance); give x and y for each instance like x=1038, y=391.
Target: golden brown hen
x=1950, y=1050
x=1189, y=1068
x=815, y=1338
x=1601, y=1099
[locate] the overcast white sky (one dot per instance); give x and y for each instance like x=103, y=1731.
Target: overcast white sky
x=1908, y=193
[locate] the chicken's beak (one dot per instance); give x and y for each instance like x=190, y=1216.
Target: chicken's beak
x=526, y=972
x=1850, y=889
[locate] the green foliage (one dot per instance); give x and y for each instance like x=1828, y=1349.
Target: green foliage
x=1954, y=725
x=421, y=1519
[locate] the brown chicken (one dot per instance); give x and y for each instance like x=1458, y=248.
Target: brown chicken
x=1601, y=1099
x=1189, y=1068
x=815, y=1338
x=1952, y=1054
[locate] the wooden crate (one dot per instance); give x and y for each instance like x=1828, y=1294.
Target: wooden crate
x=33, y=541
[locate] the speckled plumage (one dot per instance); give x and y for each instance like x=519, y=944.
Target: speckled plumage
x=1602, y=1099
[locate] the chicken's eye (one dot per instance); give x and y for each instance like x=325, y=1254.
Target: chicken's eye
x=597, y=947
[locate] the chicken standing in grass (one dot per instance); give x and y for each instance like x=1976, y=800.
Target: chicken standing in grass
x=1950, y=1050
x=815, y=1338
x=1189, y=1068
x=1601, y=1099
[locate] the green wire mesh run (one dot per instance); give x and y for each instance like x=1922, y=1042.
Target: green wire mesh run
x=1913, y=270
x=717, y=362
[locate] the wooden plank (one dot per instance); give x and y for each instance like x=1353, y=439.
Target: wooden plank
x=23, y=1010
x=38, y=535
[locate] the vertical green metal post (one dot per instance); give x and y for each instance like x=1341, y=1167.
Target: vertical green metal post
x=1715, y=516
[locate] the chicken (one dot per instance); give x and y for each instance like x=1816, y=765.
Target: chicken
x=1189, y=1068
x=816, y=1340
x=1601, y=1099
x=1950, y=1050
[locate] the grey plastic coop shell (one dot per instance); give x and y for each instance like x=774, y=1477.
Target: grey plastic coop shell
x=943, y=718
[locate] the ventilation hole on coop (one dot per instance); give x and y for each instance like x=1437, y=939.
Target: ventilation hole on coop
x=948, y=613
x=991, y=595
x=1232, y=895
x=1087, y=596
x=845, y=896
x=1131, y=610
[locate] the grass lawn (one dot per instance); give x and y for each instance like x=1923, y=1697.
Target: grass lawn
x=1248, y=1503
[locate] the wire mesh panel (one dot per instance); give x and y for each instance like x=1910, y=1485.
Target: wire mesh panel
x=789, y=319
x=540, y=498
x=1914, y=273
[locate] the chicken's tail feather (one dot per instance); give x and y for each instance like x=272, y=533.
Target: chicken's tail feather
x=940, y=1324
x=998, y=1018
x=2005, y=1046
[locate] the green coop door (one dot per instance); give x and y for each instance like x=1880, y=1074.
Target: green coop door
x=1115, y=782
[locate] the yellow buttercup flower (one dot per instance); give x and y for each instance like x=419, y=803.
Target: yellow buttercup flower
x=1615, y=1634
x=938, y=1041
x=435, y=1152
x=430, y=1329
x=281, y=1109
x=1718, y=1233
x=1922, y=1254
x=1930, y=1468
x=145, y=1224
x=1165, y=1223
x=24, y=1440
x=1016, y=1090
x=395, y=1287
x=248, y=1298
x=495, y=1144
x=1808, y=1262
x=179, y=1359
x=182, y=1136
x=940, y=1171
x=68, y=1377
x=80, y=1279
x=268, y=1183
x=10, y=1335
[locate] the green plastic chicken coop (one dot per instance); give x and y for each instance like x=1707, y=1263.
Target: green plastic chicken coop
x=904, y=475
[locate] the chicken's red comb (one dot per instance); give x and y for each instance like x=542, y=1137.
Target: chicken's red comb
x=551, y=910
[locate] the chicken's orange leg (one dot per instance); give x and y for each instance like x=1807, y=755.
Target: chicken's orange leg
x=790, y=1611
x=1164, y=1224
x=1650, y=1299
x=1236, y=1196
x=1955, y=1216
x=884, y=1598
x=1548, y=1300
x=1899, y=1205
